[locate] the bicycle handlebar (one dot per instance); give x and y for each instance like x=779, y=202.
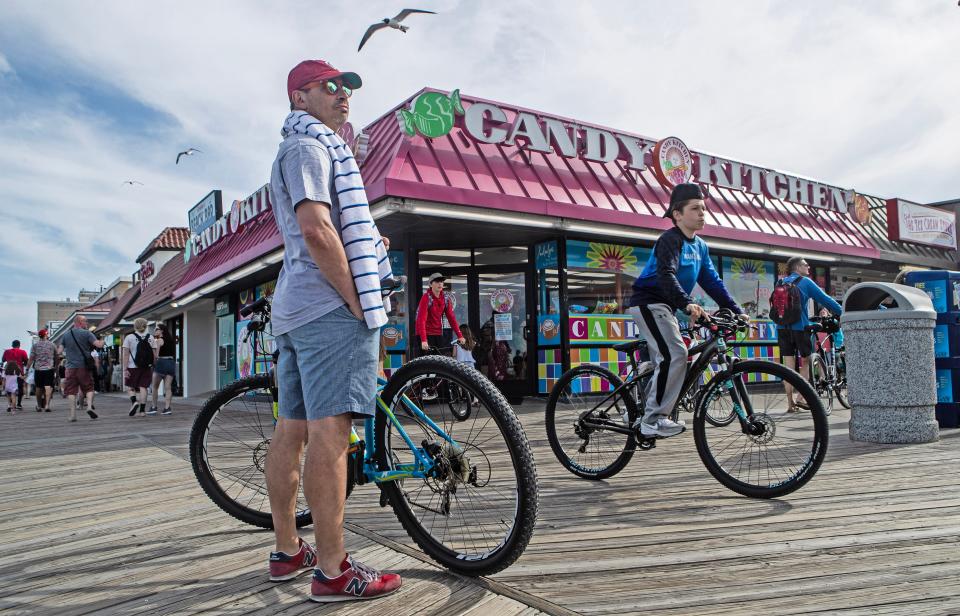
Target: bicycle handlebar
x=261, y=305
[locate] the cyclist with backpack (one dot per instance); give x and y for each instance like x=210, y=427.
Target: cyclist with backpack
x=789, y=310
x=433, y=306
x=680, y=260
x=137, y=359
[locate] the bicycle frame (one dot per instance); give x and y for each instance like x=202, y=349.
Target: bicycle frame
x=419, y=469
x=713, y=348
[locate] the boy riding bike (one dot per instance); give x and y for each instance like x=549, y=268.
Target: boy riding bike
x=680, y=260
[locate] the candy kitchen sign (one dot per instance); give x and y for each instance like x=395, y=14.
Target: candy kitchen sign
x=434, y=114
x=233, y=221
x=918, y=224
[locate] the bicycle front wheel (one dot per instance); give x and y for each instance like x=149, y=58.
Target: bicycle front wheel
x=580, y=404
x=475, y=512
x=772, y=452
x=228, y=450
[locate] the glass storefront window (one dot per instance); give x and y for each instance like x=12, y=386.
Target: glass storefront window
x=750, y=283
x=444, y=259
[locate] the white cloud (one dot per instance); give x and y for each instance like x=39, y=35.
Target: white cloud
x=852, y=94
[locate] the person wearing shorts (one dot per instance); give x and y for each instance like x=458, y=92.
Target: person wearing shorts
x=165, y=368
x=327, y=369
x=78, y=343
x=794, y=339
x=43, y=359
x=137, y=377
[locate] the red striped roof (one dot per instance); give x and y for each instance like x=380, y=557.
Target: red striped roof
x=159, y=290
x=457, y=169
x=120, y=308
x=255, y=239
x=171, y=238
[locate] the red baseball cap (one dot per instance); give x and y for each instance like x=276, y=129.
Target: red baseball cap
x=318, y=70
x=42, y=333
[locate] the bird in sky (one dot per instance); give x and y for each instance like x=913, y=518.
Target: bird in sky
x=391, y=23
x=188, y=152
x=132, y=182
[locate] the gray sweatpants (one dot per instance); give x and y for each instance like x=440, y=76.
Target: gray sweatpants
x=660, y=329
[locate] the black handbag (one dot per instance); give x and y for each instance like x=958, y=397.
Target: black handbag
x=88, y=361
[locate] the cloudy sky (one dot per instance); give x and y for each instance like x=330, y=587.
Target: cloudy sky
x=860, y=94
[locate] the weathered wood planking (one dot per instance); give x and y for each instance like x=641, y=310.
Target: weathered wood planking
x=106, y=517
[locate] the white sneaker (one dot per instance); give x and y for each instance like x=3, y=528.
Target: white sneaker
x=664, y=426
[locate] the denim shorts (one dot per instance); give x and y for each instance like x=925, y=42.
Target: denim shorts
x=166, y=366
x=328, y=367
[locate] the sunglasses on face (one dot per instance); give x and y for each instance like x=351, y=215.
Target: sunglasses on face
x=330, y=87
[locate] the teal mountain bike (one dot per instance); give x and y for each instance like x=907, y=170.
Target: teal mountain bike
x=463, y=488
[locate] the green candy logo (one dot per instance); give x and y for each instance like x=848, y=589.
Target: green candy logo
x=432, y=114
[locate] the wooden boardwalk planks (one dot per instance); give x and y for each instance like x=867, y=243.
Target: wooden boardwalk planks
x=106, y=517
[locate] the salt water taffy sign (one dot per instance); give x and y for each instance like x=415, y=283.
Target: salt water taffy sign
x=432, y=114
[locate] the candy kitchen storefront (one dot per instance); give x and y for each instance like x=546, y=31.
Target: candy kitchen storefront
x=541, y=223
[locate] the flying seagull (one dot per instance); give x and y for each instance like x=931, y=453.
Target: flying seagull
x=132, y=182
x=189, y=152
x=391, y=23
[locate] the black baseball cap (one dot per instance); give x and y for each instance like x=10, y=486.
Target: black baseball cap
x=683, y=192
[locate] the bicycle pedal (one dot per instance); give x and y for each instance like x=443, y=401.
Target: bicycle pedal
x=384, y=501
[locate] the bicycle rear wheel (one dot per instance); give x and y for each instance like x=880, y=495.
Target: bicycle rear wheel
x=840, y=391
x=580, y=400
x=228, y=450
x=772, y=454
x=475, y=513
x=820, y=378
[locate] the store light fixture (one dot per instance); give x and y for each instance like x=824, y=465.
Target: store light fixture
x=721, y=245
x=615, y=231
x=462, y=213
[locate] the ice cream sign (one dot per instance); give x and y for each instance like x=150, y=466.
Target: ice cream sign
x=433, y=115
x=918, y=224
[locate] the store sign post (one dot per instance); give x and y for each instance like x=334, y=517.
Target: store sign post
x=919, y=224
x=433, y=115
x=205, y=213
x=240, y=214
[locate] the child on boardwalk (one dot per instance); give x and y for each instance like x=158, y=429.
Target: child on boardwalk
x=463, y=351
x=11, y=384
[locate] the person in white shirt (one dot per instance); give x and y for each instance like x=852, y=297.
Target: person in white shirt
x=138, y=374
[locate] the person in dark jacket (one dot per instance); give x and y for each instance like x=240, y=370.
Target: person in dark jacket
x=680, y=260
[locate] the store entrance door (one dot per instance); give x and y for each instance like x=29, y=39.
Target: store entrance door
x=493, y=302
x=504, y=321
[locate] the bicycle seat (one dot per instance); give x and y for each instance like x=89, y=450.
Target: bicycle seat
x=629, y=347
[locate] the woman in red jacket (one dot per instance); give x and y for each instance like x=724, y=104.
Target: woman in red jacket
x=434, y=305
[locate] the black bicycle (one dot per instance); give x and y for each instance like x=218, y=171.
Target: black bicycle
x=464, y=487
x=828, y=372
x=741, y=428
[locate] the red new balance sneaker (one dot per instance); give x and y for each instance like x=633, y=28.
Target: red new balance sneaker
x=285, y=567
x=355, y=582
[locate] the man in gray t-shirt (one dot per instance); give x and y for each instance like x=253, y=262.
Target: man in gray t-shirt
x=327, y=369
x=78, y=343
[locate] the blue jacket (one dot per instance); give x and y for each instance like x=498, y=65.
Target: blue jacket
x=809, y=290
x=677, y=264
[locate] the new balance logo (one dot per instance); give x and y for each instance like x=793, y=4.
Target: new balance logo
x=309, y=559
x=356, y=586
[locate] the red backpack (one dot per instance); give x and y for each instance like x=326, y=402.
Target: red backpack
x=786, y=303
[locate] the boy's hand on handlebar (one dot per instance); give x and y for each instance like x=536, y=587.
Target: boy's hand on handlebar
x=696, y=312
x=425, y=346
x=461, y=341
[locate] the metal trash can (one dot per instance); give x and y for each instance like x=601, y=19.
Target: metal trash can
x=891, y=376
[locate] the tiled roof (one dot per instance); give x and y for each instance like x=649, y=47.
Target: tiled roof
x=171, y=238
x=104, y=306
x=119, y=308
x=160, y=289
x=257, y=238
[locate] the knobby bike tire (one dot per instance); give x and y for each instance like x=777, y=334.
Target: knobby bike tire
x=820, y=432
x=625, y=397
x=841, y=389
x=819, y=377
x=520, y=453
x=205, y=475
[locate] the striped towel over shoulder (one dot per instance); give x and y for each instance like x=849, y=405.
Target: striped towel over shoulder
x=362, y=243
